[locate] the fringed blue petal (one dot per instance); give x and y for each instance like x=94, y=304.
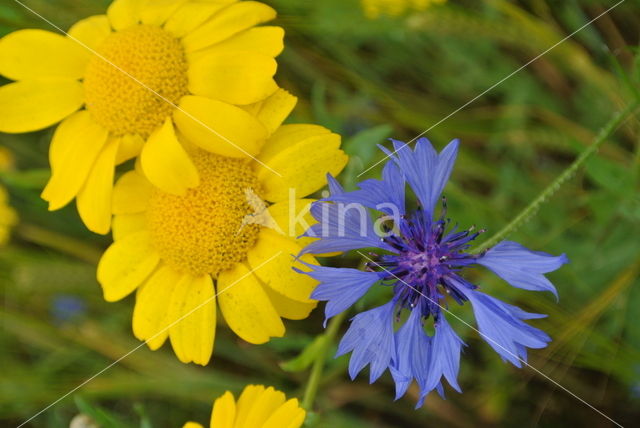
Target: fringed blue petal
x=370, y=337
x=521, y=267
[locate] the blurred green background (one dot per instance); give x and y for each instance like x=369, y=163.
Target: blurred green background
x=369, y=79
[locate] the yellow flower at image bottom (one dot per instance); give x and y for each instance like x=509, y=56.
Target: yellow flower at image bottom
x=127, y=82
x=184, y=252
x=257, y=407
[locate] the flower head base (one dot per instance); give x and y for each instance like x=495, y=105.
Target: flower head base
x=201, y=231
x=425, y=256
x=423, y=260
x=156, y=59
x=257, y=407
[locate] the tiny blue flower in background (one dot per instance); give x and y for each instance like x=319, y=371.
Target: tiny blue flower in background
x=422, y=259
x=65, y=308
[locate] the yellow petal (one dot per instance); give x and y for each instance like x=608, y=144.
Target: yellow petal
x=219, y=127
x=233, y=77
x=289, y=415
x=192, y=425
x=91, y=31
x=278, y=272
x=246, y=307
x=192, y=315
x=289, y=308
x=293, y=217
x=124, y=13
x=273, y=110
x=263, y=407
x=287, y=135
x=191, y=15
x=150, y=315
x=94, y=199
x=75, y=146
x=249, y=396
x=229, y=21
x=127, y=224
x=224, y=411
x=33, y=105
x=156, y=12
x=125, y=265
x=165, y=162
x=267, y=41
x=131, y=194
x=130, y=147
x=37, y=54
x=303, y=166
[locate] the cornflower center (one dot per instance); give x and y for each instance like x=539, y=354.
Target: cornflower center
x=426, y=255
x=131, y=85
x=202, y=231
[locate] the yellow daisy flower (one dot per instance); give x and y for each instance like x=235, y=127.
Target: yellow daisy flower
x=220, y=240
x=129, y=81
x=375, y=8
x=257, y=407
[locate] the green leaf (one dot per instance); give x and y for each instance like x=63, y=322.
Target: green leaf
x=99, y=415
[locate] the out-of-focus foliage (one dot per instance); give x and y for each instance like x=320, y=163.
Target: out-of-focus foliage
x=368, y=80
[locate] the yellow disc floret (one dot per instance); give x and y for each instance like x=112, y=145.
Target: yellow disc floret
x=123, y=83
x=204, y=231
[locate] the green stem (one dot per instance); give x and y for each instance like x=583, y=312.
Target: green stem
x=530, y=210
x=58, y=242
x=318, y=365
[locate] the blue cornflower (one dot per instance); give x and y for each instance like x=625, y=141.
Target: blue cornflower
x=421, y=259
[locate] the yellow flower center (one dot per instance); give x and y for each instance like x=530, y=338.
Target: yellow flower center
x=142, y=62
x=202, y=231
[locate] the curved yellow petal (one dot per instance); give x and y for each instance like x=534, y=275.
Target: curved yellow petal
x=192, y=315
x=223, y=413
x=299, y=171
x=191, y=15
x=250, y=394
x=288, y=135
x=150, y=314
x=246, y=307
x=36, y=54
x=32, y=105
x=91, y=31
x=267, y=41
x=293, y=217
x=156, y=12
x=263, y=407
x=288, y=415
x=75, y=146
x=127, y=224
x=165, y=162
x=130, y=147
x=289, y=308
x=219, y=127
x=278, y=272
x=124, y=13
x=273, y=110
x=233, y=77
x=192, y=425
x=227, y=22
x=131, y=194
x=125, y=265
x=94, y=199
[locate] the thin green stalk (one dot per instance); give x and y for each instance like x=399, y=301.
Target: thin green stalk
x=530, y=210
x=318, y=365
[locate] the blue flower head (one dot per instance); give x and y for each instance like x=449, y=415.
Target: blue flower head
x=422, y=259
